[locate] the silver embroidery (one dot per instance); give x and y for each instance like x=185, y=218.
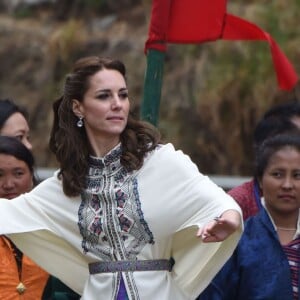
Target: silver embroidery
x=111, y=221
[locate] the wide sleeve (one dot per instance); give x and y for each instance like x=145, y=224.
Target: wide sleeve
x=187, y=199
x=38, y=223
x=197, y=262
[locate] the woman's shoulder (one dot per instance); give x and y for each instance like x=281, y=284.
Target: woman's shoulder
x=166, y=160
x=258, y=226
x=169, y=152
x=50, y=188
x=51, y=181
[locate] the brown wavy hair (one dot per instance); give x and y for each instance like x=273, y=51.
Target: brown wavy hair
x=70, y=144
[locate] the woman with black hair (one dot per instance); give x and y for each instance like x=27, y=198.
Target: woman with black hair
x=266, y=262
x=14, y=121
x=20, y=277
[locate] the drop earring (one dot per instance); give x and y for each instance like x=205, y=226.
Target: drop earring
x=80, y=122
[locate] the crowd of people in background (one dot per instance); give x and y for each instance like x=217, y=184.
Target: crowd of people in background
x=266, y=262
x=18, y=274
x=20, y=277
x=127, y=217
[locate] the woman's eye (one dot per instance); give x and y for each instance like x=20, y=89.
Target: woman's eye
x=276, y=174
x=123, y=95
x=19, y=173
x=297, y=175
x=103, y=96
x=19, y=137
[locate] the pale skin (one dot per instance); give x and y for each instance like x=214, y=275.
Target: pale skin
x=218, y=230
x=105, y=110
x=280, y=186
x=17, y=126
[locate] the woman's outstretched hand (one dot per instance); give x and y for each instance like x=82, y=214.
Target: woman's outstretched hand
x=220, y=227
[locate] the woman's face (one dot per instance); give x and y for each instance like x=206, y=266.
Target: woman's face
x=280, y=182
x=105, y=107
x=15, y=177
x=17, y=126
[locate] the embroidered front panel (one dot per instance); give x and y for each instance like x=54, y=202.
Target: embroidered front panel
x=293, y=255
x=111, y=221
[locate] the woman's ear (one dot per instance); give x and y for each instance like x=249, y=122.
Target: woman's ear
x=259, y=180
x=77, y=108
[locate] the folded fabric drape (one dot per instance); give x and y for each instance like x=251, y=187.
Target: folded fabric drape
x=198, y=21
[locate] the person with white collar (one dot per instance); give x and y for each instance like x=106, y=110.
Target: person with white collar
x=266, y=262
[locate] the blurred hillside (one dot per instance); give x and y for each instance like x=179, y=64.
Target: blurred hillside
x=213, y=94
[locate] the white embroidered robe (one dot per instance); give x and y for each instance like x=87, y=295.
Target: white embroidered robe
x=152, y=213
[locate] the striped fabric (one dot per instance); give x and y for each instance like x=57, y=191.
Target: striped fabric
x=293, y=254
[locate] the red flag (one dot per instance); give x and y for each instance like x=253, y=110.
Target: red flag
x=198, y=21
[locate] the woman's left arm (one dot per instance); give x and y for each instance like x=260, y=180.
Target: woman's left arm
x=220, y=227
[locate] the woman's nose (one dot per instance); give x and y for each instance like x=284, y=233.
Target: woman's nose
x=27, y=144
x=7, y=183
x=116, y=103
x=288, y=183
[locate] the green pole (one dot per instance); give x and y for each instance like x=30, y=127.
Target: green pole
x=152, y=86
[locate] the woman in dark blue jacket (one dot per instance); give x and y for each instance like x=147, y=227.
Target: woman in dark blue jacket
x=265, y=264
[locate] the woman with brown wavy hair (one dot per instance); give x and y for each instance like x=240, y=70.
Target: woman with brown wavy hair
x=121, y=217
x=73, y=143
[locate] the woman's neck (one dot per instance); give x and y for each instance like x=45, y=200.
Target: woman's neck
x=285, y=225
x=285, y=237
x=101, y=149
x=288, y=220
